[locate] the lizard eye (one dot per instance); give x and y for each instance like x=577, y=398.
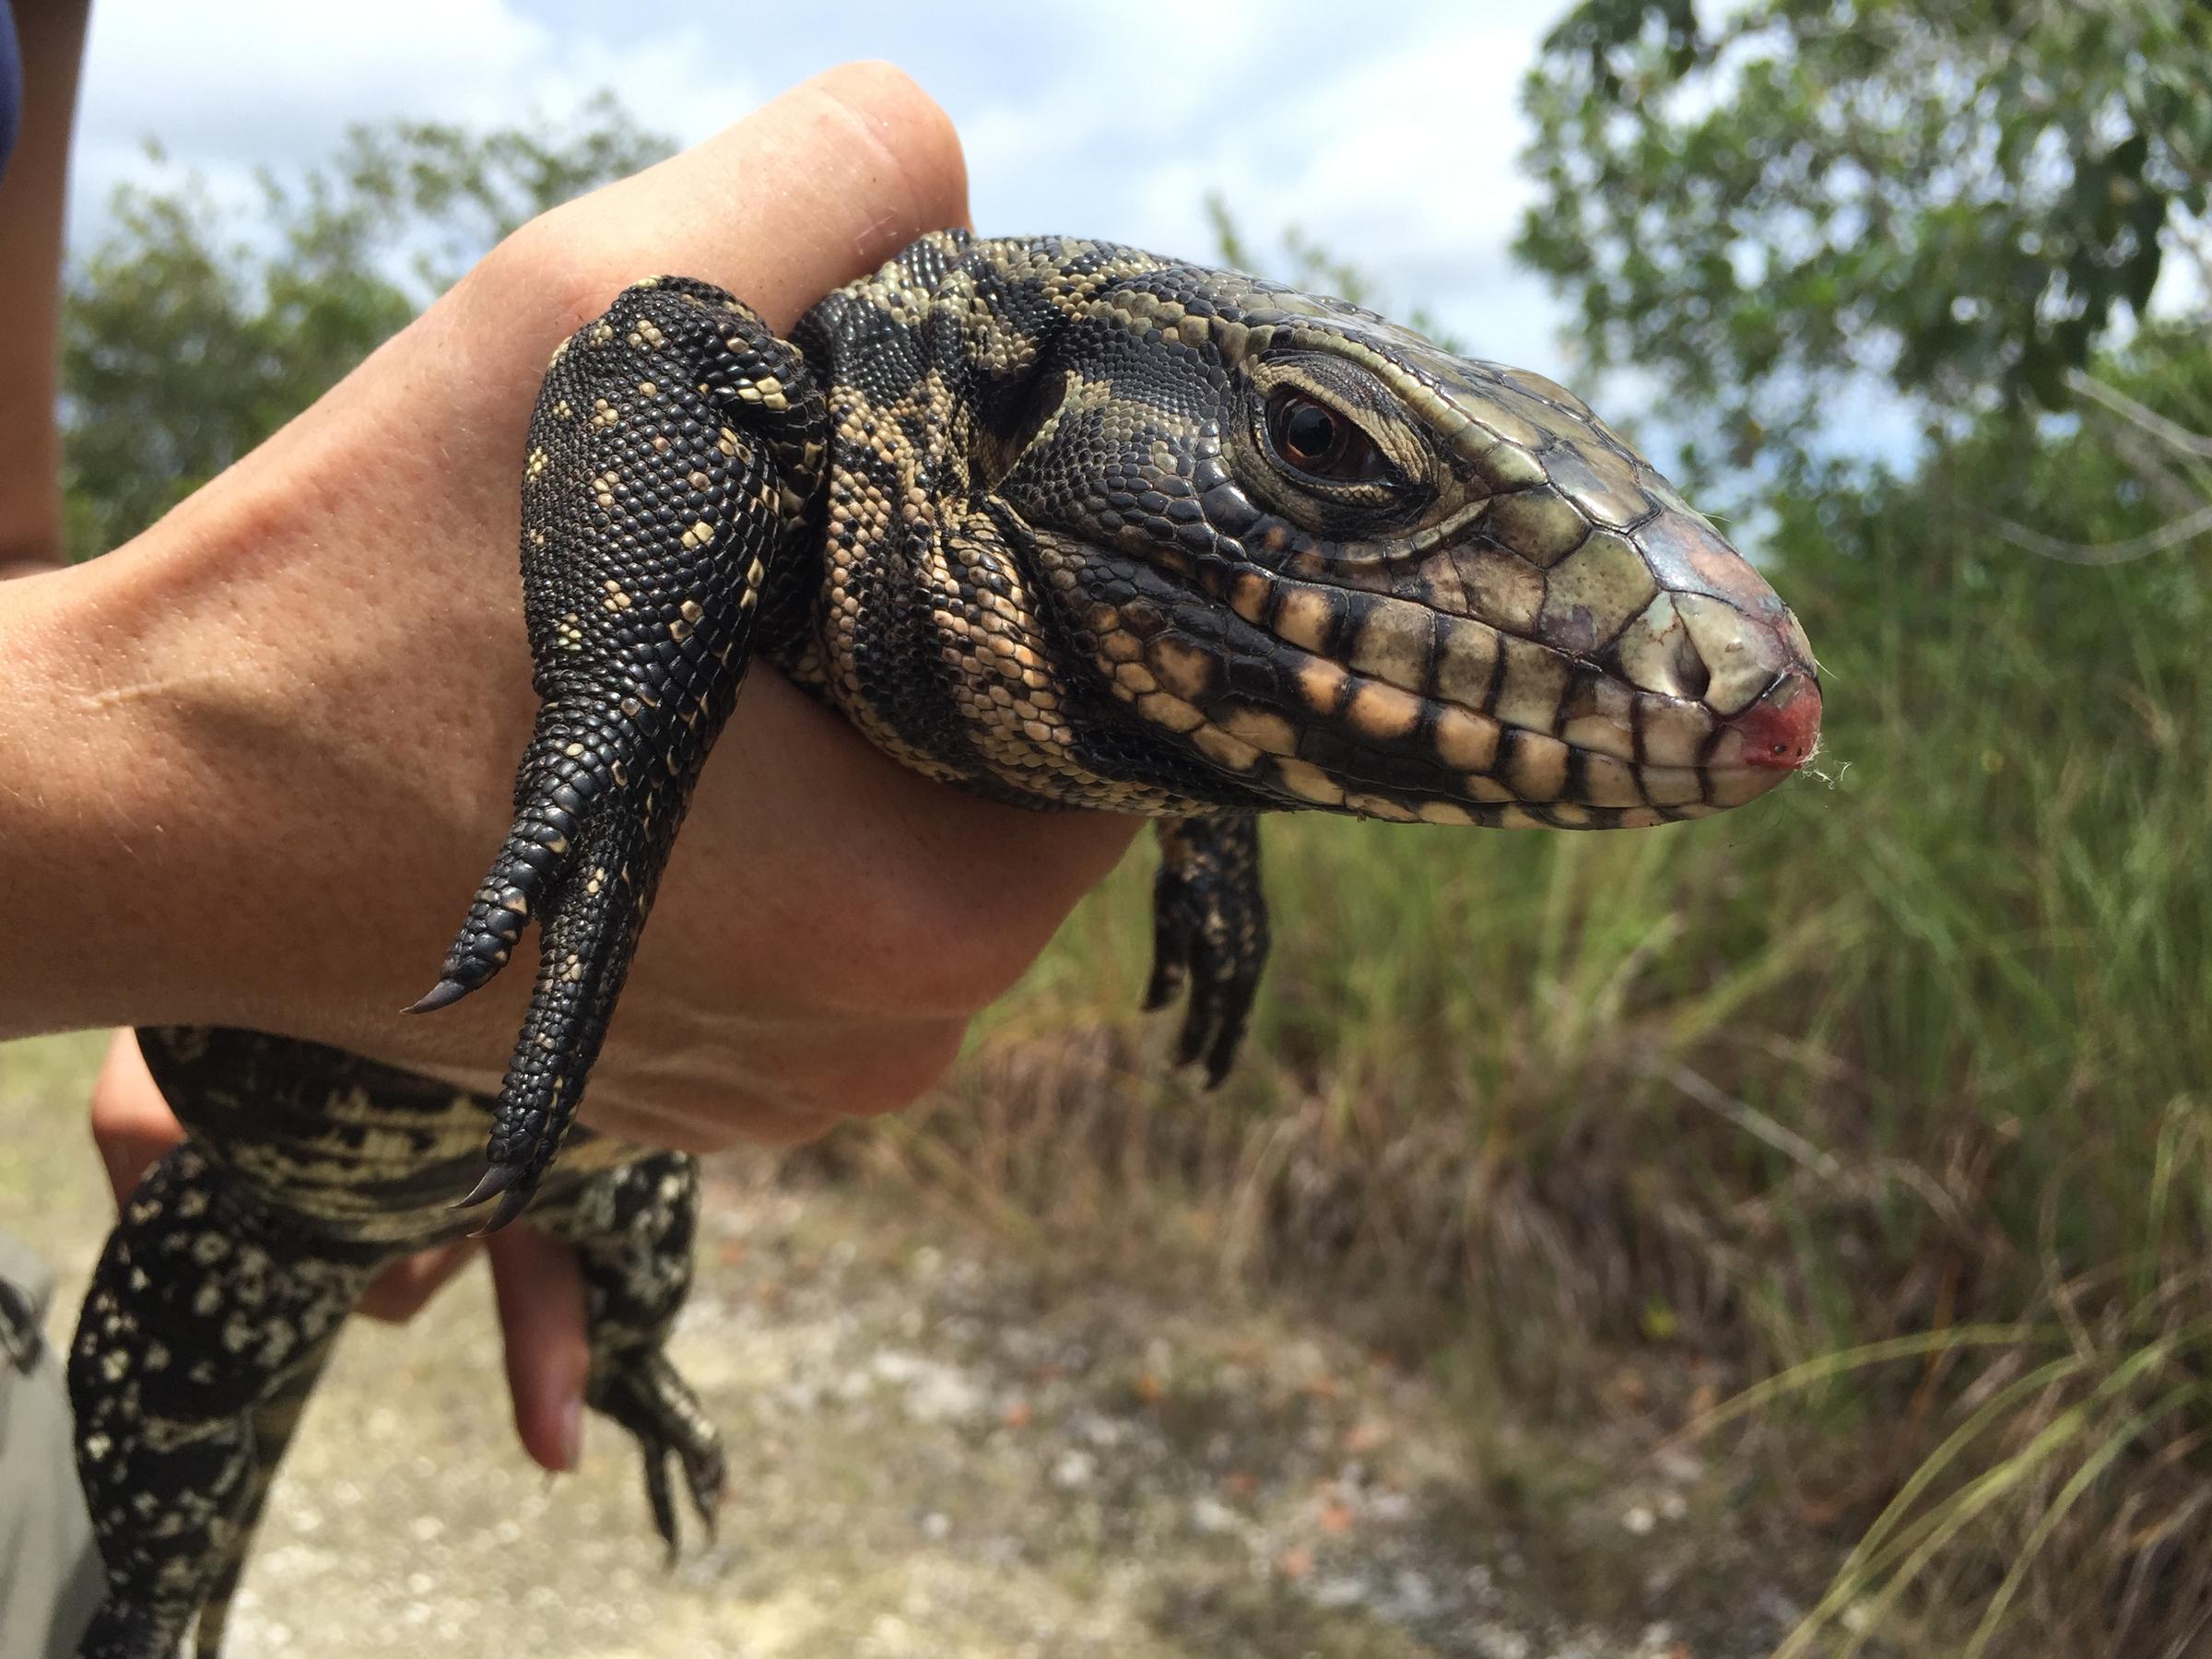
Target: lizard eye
x=1310, y=437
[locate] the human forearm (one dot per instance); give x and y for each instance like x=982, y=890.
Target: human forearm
x=258, y=756
x=32, y=191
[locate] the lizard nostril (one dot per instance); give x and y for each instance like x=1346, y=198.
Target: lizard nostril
x=1692, y=678
x=1783, y=728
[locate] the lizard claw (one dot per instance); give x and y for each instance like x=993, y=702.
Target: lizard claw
x=442, y=995
x=496, y=1180
x=511, y=1184
x=512, y=1204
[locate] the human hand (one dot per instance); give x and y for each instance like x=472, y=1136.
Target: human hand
x=274, y=736
x=535, y=1276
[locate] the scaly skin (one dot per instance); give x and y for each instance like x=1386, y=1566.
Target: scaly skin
x=1059, y=522
x=220, y=1293
x=1032, y=515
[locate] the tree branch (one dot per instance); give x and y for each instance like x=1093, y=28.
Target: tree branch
x=2106, y=553
x=2175, y=437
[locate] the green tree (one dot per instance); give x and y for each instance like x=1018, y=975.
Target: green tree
x=1968, y=202
x=189, y=333
x=1964, y=198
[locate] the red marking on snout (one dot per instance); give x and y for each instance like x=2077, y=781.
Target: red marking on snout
x=1783, y=728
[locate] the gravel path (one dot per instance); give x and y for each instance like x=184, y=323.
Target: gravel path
x=936, y=1450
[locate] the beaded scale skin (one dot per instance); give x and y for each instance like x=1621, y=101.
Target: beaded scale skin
x=1060, y=522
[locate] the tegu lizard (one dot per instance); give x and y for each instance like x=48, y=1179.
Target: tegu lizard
x=1061, y=522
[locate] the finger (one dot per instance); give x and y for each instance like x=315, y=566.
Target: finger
x=540, y=1292
x=819, y=186
x=132, y=1124
x=399, y=1292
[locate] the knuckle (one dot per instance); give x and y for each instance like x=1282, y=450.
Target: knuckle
x=543, y=268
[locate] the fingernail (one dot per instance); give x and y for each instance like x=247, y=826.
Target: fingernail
x=571, y=1433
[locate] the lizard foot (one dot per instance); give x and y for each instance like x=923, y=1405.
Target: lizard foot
x=1209, y=920
x=644, y=1393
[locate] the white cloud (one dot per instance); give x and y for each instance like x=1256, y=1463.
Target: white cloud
x=231, y=86
x=1389, y=136
x=1395, y=149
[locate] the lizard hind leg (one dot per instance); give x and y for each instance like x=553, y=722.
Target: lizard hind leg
x=632, y=1230
x=674, y=461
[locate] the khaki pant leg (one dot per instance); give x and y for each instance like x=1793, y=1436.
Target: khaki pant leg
x=51, y=1578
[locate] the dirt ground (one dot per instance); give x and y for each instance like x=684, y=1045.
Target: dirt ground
x=939, y=1450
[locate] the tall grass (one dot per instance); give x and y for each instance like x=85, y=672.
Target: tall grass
x=1885, y=1097
x=1828, y=1088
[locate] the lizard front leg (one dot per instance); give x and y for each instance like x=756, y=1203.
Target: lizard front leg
x=675, y=459
x=1209, y=930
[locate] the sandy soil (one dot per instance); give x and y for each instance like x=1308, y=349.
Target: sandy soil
x=936, y=1449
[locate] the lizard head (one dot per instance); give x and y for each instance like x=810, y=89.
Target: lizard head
x=1337, y=567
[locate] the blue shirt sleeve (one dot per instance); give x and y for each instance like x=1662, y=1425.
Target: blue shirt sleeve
x=11, y=84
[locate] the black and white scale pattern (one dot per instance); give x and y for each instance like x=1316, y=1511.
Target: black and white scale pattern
x=1061, y=522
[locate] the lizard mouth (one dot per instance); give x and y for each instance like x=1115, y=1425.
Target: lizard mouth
x=1388, y=709
x=1442, y=762
x=1782, y=731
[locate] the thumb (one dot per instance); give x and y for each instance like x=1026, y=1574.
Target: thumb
x=540, y=1292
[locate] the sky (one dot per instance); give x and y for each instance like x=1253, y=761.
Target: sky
x=1386, y=130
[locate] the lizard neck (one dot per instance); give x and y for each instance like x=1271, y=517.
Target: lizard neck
x=921, y=621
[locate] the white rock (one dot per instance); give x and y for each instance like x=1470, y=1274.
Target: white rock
x=1075, y=1467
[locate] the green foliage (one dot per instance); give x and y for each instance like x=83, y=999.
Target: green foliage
x=1913, y=1053
x=1963, y=198
x=1896, y=1081
x=191, y=332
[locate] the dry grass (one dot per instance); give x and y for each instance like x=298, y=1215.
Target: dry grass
x=1884, y=1099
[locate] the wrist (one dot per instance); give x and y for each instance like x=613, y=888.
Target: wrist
x=83, y=819
x=256, y=758
x=225, y=796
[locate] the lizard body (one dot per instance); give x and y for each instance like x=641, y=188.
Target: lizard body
x=1061, y=522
